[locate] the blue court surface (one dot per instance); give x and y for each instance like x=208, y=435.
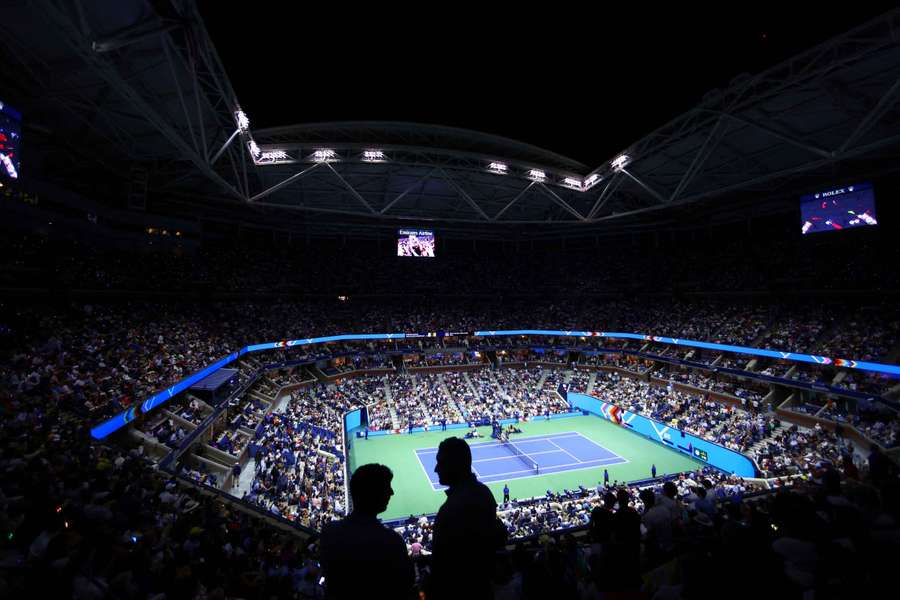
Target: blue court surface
x=540, y=455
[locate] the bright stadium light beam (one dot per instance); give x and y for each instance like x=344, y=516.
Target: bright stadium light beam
x=591, y=181
x=324, y=155
x=498, y=167
x=271, y=156
x=620, y=162
x=243, y=121
x=373, y=156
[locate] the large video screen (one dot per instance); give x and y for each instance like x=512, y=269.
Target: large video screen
x=10, y=129
x=415, y=242
x=837, y=209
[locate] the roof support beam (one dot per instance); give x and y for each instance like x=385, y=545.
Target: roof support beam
x=285, y=182
x=568, y=208
x=464, y=194
x=706, y=149
x=611, y=186
x=646, y=187
x=352, y=190
x=403, y=194
x=105, y=69
x=513, y=201
x=822, y=152
x=187, y=115
x=884, y=105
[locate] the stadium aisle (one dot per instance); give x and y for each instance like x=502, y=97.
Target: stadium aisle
x=246, y=479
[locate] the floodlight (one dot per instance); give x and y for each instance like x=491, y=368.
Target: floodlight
x=373, y=155
x=498, y=167
x=620, y=161
x=243, y=122
x=323, y=155
x=537, y=175
x=273, y=155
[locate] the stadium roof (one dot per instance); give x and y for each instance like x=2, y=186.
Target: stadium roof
x=139, y=90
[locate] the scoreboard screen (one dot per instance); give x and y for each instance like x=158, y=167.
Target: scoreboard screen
x=415, y=242
x=836, y=209
x=10, y=129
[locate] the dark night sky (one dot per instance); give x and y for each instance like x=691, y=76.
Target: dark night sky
x=583, y=84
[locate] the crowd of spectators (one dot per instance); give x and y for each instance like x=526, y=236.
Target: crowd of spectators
x=298, y=475
x=100, y=519
x=86, y=519
x=732, y=427
x=104, y=357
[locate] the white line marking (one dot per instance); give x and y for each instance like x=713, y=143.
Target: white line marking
x=604, y=448
x=564, y=467
x=528, y=454
x=566, y=451
x=430, y=482
x=600, y=463
x=488, y=444
x=615, y=459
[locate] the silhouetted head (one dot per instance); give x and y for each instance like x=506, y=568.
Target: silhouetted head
x=454, y=461
x=370, y=488
x=669, y=489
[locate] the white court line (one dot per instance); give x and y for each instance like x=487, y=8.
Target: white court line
x=615, y=459
x=481, y=460
x=600, y=462
x=566, y=451
x=424, y=472
x=488, y=444
x=582, y=465
x=590, y=441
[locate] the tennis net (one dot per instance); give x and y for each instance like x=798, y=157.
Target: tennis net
x=526, y=460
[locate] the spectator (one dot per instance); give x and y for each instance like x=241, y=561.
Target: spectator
x=359, y=555
x=466, y=530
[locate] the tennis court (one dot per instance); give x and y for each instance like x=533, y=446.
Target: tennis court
x=569, y=452
x=527, y=457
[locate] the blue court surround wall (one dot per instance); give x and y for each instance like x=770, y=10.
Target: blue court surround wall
x=718, y=456
x=353, y=419
x=104, y=429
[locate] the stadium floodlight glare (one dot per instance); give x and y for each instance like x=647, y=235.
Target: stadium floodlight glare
x=498, y=167
x=324, y=155
x=271, y=156
x=571, y=181
x=254, y=149
x=373, y=155
x=590, y=181
x=620, y=162
x=243, y=122
x=537, y=175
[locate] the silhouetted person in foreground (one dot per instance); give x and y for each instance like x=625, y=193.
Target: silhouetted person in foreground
x=467, y=532
x=360, y=556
